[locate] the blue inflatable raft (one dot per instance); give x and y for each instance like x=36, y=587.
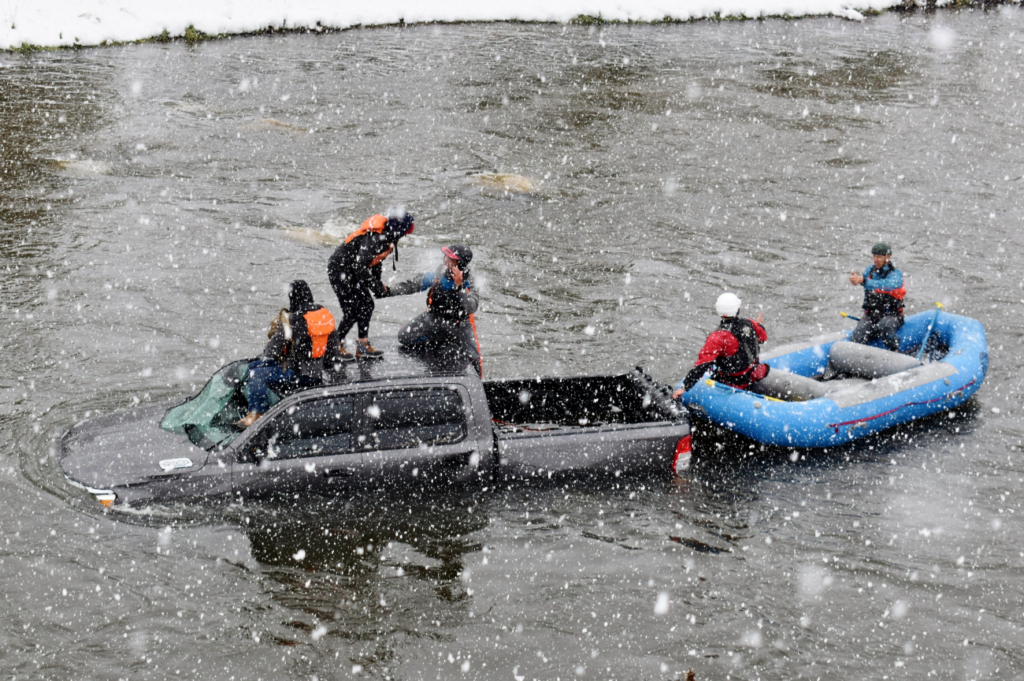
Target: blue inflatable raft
x=829, y=391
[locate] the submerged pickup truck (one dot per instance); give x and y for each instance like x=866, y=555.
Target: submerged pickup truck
x=399, y=421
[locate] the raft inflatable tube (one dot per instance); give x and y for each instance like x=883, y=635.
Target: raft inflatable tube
x=829, y=391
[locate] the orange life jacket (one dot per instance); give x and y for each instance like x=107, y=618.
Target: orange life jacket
x=897, y=293
x=319, y=324
x=476, y=337
x=376, y=225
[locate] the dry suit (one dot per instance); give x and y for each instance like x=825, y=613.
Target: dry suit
x=355, y=267
x=732, y=354
x=883, y=307
x=449, y=321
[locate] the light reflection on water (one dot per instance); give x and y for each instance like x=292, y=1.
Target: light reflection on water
x=146, y=197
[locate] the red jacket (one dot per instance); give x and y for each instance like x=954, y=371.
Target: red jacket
x=719, y=347
x=721, y=343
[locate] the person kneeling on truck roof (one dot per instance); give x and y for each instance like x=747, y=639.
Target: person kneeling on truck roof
x=883, y=299
x=451, y=303
x=732, y=353
x=301, y=339
x=354, y=270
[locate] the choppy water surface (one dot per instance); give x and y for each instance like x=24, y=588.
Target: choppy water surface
x=155, y=199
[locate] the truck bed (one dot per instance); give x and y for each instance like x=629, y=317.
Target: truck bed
x=617, y=424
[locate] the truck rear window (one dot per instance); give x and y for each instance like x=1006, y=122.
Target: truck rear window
x=401, y=419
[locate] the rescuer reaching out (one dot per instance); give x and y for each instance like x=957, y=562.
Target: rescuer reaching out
x=731, y=352
x=451, y=303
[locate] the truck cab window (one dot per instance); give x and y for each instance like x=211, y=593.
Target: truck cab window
x=319, y=427
x=412, y=418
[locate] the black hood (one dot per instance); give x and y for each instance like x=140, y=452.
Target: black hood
x=300, y=298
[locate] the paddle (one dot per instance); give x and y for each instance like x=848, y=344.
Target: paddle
x=928, y=333
x=849, y=316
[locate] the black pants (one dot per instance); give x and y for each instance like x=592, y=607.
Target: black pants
x=355, y=300
x=444, y=340
x=881, y=328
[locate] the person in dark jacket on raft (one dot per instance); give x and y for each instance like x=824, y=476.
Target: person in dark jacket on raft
x=883, y=299
x=452, y=301
x=731, y=353
x=355, y=274
x=302, y=338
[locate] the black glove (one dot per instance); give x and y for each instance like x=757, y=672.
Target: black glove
x=694, y=376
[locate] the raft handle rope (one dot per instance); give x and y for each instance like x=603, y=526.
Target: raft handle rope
x=861, y=422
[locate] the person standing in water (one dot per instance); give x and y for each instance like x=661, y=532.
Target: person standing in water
x=883, y=299
x=732, y=352
x=354, y=271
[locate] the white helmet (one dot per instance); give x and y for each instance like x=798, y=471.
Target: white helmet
x=728, y=305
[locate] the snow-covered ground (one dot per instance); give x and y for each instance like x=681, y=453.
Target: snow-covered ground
x=52, y=23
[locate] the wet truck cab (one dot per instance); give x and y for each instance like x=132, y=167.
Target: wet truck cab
x=377, y=424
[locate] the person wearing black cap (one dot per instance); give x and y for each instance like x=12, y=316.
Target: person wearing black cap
x=883, y=299
x=302, y=338
x=452, y=302
x=355, y=273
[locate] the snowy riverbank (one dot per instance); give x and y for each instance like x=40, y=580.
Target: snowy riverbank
x=53, y=23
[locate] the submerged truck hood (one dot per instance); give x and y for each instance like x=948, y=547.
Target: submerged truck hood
x=126, y=448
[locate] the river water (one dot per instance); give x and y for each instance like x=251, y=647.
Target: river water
x=155, y=199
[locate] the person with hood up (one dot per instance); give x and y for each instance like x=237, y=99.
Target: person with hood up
x=302, y=338
x=731, y=353
x=354, y=271
x=452, y=302
x=883, y=299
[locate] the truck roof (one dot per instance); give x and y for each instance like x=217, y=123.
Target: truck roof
x=400, y=363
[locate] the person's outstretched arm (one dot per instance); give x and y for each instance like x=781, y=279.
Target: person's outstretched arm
x=414, y=285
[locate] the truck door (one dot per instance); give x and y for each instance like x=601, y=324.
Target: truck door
x=306, y=447
x=415, y=435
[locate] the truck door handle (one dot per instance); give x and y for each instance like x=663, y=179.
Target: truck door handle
x=338, y=472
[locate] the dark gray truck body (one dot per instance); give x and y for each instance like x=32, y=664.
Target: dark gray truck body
x=389, y=425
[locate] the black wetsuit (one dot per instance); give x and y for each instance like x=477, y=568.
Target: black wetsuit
x=449, y=320
x=356, y=279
